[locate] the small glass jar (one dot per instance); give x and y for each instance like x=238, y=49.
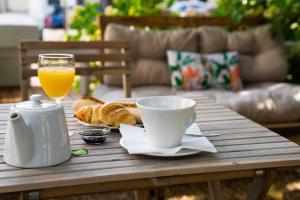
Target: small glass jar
x=94, y=135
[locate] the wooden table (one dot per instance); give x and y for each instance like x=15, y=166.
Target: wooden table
x=246, y=149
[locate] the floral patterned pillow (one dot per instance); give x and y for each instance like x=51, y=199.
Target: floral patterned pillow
x=193, y=71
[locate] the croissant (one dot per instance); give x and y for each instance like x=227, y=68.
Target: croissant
x=89, y=114
x=86, y=101
x=110, y=114
x=132, y=108
x=135, y=112
x=114, y=114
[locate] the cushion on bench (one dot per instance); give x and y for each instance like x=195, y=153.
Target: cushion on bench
x=148, y=52
x=266, y=106
x=261, y=102
x=260, y=56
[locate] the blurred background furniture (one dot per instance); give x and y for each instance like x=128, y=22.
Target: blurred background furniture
x=85, y=53
x=16, y=24
x=266, y=97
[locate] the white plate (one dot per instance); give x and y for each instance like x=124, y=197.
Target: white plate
x=100, y=125
x=183, y=152
x=94, y=125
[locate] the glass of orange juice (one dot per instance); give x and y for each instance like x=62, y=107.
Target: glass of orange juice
x=56, y=73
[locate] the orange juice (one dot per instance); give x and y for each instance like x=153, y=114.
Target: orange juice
x=56, y=81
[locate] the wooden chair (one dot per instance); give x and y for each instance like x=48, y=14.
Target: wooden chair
x=84, y=52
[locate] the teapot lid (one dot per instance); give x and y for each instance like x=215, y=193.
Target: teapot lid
x=35, y=103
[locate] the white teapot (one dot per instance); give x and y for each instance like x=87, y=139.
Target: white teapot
x=37, y=134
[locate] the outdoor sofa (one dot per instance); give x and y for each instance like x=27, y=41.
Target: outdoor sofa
x=265, y=98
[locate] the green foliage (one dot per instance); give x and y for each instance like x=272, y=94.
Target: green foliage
x=138, y=7
x=83, y=27
x=283, y=14
x=294, y=64
x=83, y=23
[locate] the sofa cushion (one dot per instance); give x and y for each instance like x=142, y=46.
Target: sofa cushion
x=269, y=65
x=261, y=56
x=144, y=72
x=261, y=102
x=241, y=41
x=106, y=93
x=212, y=39
x=266, y=107
x=150, y=45
x=192, y=71
x=187, y=71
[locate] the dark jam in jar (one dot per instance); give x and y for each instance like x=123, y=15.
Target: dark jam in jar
x=94, y=135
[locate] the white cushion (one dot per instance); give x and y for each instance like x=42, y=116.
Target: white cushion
x=107, y=93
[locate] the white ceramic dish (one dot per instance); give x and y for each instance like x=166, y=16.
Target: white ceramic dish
x=100, y=125
x=183, y=152
x=92, y=125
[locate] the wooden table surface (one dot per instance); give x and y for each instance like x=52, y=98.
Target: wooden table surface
x=243, y=147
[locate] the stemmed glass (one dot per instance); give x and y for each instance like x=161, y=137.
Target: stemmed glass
x=56, y=73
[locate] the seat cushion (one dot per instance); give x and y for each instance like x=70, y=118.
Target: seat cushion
x=107, y=93
x=262, y=102
x=266, y=106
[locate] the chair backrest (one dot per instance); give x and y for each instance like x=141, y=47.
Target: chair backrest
x=170, y=21
x=84, y=52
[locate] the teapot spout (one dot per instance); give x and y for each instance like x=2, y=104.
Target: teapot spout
x=17, y=123
x=18, y=141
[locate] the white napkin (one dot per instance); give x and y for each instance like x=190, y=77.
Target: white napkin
x=136, y=142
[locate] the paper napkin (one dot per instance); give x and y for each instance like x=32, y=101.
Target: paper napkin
x=136, y=142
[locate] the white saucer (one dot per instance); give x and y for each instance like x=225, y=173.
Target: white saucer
x=183, y=152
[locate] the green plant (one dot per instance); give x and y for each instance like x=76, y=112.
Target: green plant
x=138, y=7
x=83, y=27
x=294, y=64
x=282, y=14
